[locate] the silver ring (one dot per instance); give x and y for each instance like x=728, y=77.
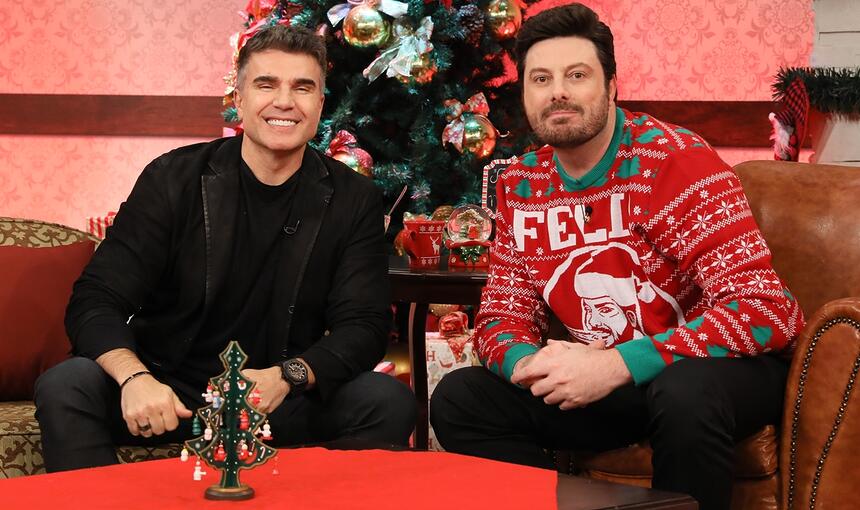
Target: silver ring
x=144, y=428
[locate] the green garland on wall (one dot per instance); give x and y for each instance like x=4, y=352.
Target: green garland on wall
x=830, y=89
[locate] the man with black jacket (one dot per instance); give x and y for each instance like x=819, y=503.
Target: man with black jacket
x=258, y=239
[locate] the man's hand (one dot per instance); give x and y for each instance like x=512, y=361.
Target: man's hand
x=516, y=375
x=572, y=374
x=272, y=387
x=150, y=407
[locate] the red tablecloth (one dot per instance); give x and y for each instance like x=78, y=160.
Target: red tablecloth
x=310, y=478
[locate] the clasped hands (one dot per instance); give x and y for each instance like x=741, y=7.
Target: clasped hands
x=571, y=375
x=150, y=407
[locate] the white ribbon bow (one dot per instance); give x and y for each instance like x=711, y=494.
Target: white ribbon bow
x=400, y=57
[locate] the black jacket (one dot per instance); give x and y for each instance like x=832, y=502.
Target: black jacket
x=166, y=255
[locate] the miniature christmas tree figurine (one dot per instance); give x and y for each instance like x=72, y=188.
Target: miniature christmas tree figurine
x=233, y=421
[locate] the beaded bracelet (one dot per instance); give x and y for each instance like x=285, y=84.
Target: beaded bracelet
x=132, y=376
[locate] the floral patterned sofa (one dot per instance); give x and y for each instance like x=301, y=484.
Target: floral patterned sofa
x=21, y=269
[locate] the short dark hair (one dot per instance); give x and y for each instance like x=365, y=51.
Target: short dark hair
x=289, y=39
x=566, y=21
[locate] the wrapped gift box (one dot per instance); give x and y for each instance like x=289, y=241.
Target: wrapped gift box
x=445, y=355
x=97, y=226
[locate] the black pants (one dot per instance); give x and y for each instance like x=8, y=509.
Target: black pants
x=693, y=413
x=78, y=408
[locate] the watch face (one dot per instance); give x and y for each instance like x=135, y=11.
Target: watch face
x=297, y=371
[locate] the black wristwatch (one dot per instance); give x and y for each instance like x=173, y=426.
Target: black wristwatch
x=296, y=374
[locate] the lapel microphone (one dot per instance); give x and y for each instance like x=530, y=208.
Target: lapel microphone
x=588, y=211
x=291, y=229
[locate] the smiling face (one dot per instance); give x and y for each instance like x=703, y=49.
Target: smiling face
x=279, y=99
x=565, y=92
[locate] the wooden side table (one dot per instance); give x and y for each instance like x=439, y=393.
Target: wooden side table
x=420, y=288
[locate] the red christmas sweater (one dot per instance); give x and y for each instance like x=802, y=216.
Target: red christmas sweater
x=654, y=250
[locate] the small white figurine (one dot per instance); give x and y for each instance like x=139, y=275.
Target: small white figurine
x=198, y=471
x=208, y=395
x=184, y=455
x=216, y=399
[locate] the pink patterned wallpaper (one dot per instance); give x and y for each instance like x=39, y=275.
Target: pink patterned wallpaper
x=141, y=47
x=666, y=50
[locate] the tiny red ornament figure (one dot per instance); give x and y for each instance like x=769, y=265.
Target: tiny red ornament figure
x=220, y=454
x=243, y=420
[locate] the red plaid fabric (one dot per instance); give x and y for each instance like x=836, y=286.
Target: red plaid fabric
x=793, y=118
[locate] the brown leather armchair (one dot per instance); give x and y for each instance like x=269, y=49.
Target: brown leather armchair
x=809, y=217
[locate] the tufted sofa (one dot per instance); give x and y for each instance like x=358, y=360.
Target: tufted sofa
x=808, y=215
x=20, y=442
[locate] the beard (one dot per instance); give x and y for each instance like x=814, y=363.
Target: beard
x=568, y=133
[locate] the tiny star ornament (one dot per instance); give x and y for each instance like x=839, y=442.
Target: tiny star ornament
x=344, y=148
x=468, y=127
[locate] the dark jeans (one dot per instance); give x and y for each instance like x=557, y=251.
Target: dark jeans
x=78, y=408
x=693, y=413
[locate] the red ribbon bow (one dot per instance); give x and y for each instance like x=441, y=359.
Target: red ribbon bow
x=344, y=141
x=453, y=132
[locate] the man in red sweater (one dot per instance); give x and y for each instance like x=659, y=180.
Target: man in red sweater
x=638, y=237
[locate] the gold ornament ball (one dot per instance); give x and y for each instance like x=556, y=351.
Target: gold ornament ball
x=422, y=71
x=442, y=213
x=505, y=18
x=479, y=135
x=364, y=27
x=349, y=159
x=440, y=310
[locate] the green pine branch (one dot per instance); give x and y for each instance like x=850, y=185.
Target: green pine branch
x=830, y=89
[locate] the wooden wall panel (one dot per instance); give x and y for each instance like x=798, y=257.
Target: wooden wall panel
x=48, y=114
x=721, y=123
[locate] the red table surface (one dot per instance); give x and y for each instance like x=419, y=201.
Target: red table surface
x=310, y=478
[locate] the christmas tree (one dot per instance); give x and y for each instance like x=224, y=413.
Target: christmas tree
x=230, y=443
x=425, y=88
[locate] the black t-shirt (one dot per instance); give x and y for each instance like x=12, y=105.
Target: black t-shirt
x=244, y=308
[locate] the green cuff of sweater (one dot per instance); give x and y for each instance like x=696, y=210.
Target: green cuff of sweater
x=642, y=359
x=515, y=353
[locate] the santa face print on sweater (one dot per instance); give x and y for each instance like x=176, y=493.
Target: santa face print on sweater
x=601, y=293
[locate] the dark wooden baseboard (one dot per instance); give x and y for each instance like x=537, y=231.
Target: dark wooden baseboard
x=721, y=123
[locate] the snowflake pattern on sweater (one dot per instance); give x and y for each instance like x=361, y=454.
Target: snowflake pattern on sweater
x=654, y=250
